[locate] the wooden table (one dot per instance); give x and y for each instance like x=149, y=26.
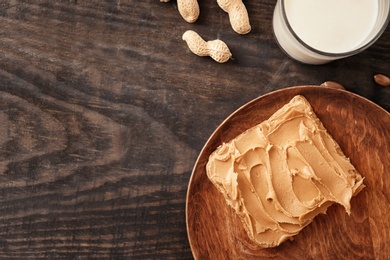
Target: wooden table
x=104, y=110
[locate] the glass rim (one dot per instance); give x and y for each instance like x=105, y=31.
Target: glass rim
x=335, y=54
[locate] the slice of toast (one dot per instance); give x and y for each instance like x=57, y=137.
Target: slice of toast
x=281, y=173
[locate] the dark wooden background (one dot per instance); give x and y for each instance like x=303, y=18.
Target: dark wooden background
x=104, y=110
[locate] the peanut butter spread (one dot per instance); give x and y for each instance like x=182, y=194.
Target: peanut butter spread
x=280, y=174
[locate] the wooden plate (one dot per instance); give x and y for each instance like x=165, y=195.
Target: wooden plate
x=361, y=128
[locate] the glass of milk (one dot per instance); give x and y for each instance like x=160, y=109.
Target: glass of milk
x=320, y=31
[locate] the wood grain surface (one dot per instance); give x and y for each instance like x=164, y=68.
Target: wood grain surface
x=362, y=130
x=104, y=110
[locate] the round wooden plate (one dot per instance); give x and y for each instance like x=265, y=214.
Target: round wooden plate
x=362, y=130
